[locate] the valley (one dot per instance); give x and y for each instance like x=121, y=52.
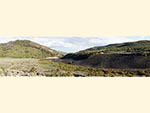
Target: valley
x=27, y=58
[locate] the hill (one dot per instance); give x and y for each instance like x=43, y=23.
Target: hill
x=128, y=47
x=123, y=55
x=139, y=47
x=26, y=49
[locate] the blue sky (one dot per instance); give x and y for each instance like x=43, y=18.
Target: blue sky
x=74, y=44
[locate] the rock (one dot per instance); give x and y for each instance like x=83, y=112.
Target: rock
x=79, y=74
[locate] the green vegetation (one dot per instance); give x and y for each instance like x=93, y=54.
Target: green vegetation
x=47, y=68
x=26, y=49
x=139, y=47
x=60, y=69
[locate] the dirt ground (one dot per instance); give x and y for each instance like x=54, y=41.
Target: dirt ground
x=20, y=67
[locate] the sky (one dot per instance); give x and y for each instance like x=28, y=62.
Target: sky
x=74, y=44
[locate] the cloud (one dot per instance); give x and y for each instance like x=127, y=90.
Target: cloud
x=74, y=44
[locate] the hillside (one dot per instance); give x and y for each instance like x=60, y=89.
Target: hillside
x=124, y=55
x=129, y=47
x=26, y=49
x=139, y=47
x=47, y=68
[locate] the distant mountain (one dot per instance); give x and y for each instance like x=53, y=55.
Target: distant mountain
x=122, y=55
x=26, y=49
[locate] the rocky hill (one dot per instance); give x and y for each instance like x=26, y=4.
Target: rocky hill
x=26, y=49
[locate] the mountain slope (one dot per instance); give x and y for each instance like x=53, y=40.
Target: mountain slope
x=131, y=55
x=26, y=49
x=128, y=47
x=139, y=47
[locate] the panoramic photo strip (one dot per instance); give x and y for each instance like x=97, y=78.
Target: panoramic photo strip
x=75, y=56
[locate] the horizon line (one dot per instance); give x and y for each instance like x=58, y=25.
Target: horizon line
x=74, y=44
